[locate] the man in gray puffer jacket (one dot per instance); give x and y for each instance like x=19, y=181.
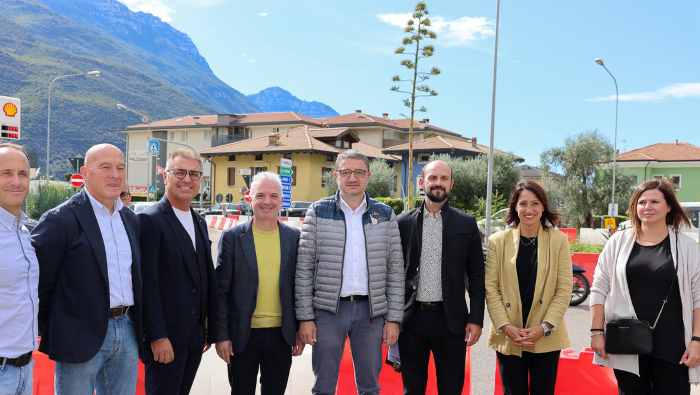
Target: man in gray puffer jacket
x=349, y=278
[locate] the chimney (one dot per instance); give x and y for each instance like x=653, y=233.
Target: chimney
x=385, y=115
x=474, y=142
x=358, y=111
x=274, y=139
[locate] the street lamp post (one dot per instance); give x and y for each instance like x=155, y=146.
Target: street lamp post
x=489, y=174
x=93, y=73
x=612, y=210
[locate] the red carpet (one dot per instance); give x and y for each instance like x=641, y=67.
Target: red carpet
x=577, y=375
x=390, y=380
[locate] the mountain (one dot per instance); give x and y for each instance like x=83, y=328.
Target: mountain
x=276, y=99
x=145, y=64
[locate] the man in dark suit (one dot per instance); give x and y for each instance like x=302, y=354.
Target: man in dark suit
x=90, y=282
x=256, y=325
x=178, y=276
x=444, y=259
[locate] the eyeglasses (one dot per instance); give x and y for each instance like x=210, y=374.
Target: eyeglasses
x=180, y=174
x=346, y=173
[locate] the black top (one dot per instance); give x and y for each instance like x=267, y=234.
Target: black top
x=650, y=273
x=526, y=266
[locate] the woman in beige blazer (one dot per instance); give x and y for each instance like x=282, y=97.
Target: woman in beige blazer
x=528, y=289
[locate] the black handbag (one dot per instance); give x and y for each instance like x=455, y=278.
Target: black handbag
x=633, y=336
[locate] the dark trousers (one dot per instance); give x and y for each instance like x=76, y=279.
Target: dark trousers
x=656, y=377
x=539, y=368
x=266, y=351
x=423, y=332
x=176, y=378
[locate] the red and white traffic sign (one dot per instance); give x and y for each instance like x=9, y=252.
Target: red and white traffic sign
x=77, y=181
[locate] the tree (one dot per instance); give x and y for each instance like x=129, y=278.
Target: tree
x=381, y=183
x=417, y=30
x=469, y=175
x=584, y=188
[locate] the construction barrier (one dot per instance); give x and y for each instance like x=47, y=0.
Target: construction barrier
x=577, y=375
x=570, y=234
x=390, y=380
x=42, y=380
x=586, y=260
x=221, y=223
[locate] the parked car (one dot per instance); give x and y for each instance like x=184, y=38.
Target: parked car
x=297, y=209
x=228, y=208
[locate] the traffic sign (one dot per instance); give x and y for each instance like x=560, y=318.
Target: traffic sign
x=286, y=179
x=154, y=147
x=10, y=117
x=76, y=180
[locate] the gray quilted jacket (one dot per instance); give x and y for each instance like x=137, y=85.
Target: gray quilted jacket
x=319, y=272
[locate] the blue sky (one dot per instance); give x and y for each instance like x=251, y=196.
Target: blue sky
x=549, y=88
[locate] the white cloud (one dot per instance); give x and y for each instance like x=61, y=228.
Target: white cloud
x=154, y=7
x=455, y=32
x=263, y=13
x=673, y=91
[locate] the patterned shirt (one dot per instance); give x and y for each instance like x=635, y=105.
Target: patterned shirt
x=430, y=275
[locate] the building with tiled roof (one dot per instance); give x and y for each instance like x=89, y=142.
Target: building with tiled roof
x=205, y=131
x=312, y=151
x=679, y=162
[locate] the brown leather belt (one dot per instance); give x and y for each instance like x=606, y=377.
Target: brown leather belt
x=20, y=361
x=119, y=311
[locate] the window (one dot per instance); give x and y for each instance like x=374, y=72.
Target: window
x=676, y=181
x=256, y=170
x=294, y=174
x=330, y=158
x=232, y=158
x=424, y=158
x=325, y=172
x=258, y=156
x=275, y=130
x=231, y=179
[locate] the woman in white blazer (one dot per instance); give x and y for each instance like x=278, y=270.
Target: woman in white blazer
x=637, y=269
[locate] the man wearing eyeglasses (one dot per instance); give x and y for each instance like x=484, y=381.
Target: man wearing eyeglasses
x=90, y=282
x=349, y=279
x=178, y=279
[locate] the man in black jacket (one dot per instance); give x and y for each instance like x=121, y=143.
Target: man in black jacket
x=443, y=260
x=178, y=277
x=90, y=282
x=256, y=328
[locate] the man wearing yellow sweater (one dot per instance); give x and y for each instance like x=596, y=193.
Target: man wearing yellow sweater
x=255, y=327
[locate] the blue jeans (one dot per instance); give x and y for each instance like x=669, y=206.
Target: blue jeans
x=365, y=336
x=112, y=371
x=16, y=381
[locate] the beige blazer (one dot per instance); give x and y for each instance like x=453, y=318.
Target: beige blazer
x=552, y=295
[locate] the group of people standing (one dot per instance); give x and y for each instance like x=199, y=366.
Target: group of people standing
x=104, y=287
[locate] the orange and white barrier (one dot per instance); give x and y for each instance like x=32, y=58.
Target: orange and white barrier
x=221, y=223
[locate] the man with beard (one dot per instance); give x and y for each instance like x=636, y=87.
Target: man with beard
x=443, y=259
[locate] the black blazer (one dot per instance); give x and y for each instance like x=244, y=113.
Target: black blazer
x=462, y=264
x=237, y=277
x=176, y=298
x=73, y=283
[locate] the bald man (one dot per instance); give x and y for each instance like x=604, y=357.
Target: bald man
x=90, y=283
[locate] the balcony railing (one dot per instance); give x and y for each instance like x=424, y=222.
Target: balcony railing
x=225, y=139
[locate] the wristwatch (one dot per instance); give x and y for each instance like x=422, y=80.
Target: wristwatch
x=547, y=328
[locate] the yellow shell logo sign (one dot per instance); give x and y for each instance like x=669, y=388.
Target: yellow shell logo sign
x=10, y=109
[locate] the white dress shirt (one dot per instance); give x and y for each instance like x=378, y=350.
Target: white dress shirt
x=19, y=282
x=117, y=250
x=185, y=218
x=355, y=278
